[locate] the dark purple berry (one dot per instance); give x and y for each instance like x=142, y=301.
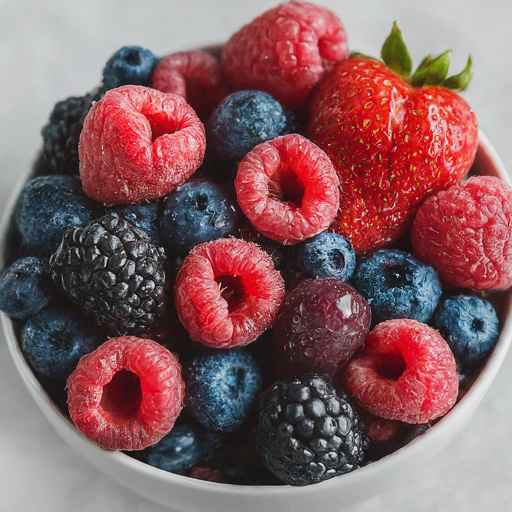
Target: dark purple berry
x=321, y=324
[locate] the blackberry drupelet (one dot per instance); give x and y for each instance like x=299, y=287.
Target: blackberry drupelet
x=114, y=272
x=308, y=433
x=62, y=132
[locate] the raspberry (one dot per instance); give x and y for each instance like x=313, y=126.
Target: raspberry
x=228, y=292
x=465, y=232
x=381, y=430
x=320, y=326
x=127, y=394
x=288, y=189
x=285, y=51
x=196, y=75
x=406, y=372
x=385, y=436
x=139, y=144
x=207, y=474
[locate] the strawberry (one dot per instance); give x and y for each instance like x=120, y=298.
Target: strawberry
x=394, y=137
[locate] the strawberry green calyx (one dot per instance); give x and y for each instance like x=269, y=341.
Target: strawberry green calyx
x=395, y=54
x=431, y=71
x=461, y=81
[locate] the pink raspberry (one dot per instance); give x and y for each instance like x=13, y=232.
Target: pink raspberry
x=227, y=292
x=465, y=232
x=139, y=144
x=285, y=51
x=383, y=431
x=406, y=372
x=320, y=325
x=288, y=189
x=127, y=394
x=196, y=75
x=207, y=474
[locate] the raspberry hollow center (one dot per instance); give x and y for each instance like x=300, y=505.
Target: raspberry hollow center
x=287, y=187
x=160, y=125
x=232, y=291
x=391, y=366
x=122, y=396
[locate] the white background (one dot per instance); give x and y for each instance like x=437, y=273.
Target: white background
x=52, y=49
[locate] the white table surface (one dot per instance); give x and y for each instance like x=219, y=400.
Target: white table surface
x=52, y=49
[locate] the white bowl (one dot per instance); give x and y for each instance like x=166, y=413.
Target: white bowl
x=188, y=495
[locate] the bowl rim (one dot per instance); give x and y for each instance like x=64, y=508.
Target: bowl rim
x=65, y=428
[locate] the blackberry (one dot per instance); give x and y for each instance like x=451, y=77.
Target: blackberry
x=62, y=133
x=308, y=433
x=114, y=272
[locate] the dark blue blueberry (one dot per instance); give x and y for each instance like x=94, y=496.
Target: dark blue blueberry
x=222, y=387
x=196, y=212
x=398, y=286
x=326, y=255
x=24, y=287
x=470, y=325
x=46, y=207
x=129, y=65
x=184, y=447
x=54, y=340
x=243, y=120
x=144, y=216
x=292, y=123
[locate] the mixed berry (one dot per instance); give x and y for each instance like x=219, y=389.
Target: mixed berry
x=260, y=263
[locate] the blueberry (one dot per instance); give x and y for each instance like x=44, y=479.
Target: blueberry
x=398, y=286
x=196, y=212
x=129, y=65
x=326, y=255
x=222, y=387
x=54, y=340
x=470, y=325
x=144, y=216
x=24, y=287
x=46, y=208
x=243, y=120
x=184, y=447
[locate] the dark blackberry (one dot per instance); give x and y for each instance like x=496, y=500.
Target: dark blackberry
x=114, y=272
x=62, y=132
x=308, y=433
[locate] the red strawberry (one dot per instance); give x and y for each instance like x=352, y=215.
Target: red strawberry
x=393, y=138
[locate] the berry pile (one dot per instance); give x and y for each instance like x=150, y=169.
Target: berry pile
x=260, y=264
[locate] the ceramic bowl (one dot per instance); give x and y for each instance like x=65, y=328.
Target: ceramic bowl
x=184, y=494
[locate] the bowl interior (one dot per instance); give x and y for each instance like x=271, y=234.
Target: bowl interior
x=487, y=162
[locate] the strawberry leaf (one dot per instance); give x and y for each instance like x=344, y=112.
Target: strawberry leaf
x=360, y=55
x=395, y=54
x=461, y=81
x=432, y=71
